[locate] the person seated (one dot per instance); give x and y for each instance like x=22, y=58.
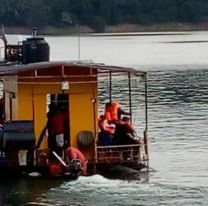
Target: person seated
x=125, y=134
x=106, y=131
x=113, y=112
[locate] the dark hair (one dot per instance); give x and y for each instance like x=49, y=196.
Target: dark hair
x=108, y=104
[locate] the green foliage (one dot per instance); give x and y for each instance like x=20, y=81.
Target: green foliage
x=66, y=18
x=99, y=13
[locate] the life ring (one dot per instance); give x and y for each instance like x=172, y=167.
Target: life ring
x=85, y=138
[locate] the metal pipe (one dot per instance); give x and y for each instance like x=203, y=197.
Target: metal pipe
x=110, y=86
x=59, y=159
x=146, y=104
x=4, y=111
x=146, y=119
x=10, y=107
x=94, y=102
x=79, y=50
x=130, y=100
x=33, y=107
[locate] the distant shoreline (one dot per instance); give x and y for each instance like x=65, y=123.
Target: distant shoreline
x=123, y=28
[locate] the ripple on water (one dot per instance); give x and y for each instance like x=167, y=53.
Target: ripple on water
x=97, y=190
x=178, y=149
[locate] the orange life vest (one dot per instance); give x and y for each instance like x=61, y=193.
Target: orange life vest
x=111, y=112
x=107, y=112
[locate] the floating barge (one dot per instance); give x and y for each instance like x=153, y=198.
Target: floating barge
x=31, y=82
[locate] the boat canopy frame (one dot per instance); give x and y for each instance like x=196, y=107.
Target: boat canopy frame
x=95, y=70
x=33, y=71
x=102, y=69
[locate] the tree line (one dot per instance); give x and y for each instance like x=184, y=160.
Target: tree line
x=99, y=13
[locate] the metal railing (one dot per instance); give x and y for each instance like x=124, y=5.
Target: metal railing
x=121, y=154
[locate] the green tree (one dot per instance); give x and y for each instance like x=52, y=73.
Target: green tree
x=99, y=13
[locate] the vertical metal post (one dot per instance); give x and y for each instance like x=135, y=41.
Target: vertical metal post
x=95, y=119
x=146, y=121
x=5, y=52
x=4, y=112
x=62, y=78
x=10, y=106
x=94, y=102
x=130, y=100
x=33, y=108
x=146, y=104
x=79, y=42
x=110, y=86
x=19, y=52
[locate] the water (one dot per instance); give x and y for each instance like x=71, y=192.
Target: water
x=149, y=51
x=178, y=118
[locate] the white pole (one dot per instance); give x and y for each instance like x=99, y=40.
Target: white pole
x=59, y=158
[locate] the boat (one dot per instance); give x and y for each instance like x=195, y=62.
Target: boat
x=31, y=82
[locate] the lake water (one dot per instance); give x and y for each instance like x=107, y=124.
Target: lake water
x=177, y=65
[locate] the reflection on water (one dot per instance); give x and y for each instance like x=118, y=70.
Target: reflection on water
x=178, y=122
x=20, y=190
x=178, y=119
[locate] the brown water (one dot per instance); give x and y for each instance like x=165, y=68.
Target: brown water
x=178, y=131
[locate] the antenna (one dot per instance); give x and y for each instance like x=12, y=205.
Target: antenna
x=78, y=42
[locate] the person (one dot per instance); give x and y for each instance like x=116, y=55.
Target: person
x=124, y=133
x=65, y=113
x=106, y=131
x=49, y=126
x=107, y=112
x=113, y=111
x=75, y=154
x=57, y=126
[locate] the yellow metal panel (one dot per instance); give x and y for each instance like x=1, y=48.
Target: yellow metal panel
x=32, y=104
x=25, y=111
x=40, y=117
x=82, y=113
